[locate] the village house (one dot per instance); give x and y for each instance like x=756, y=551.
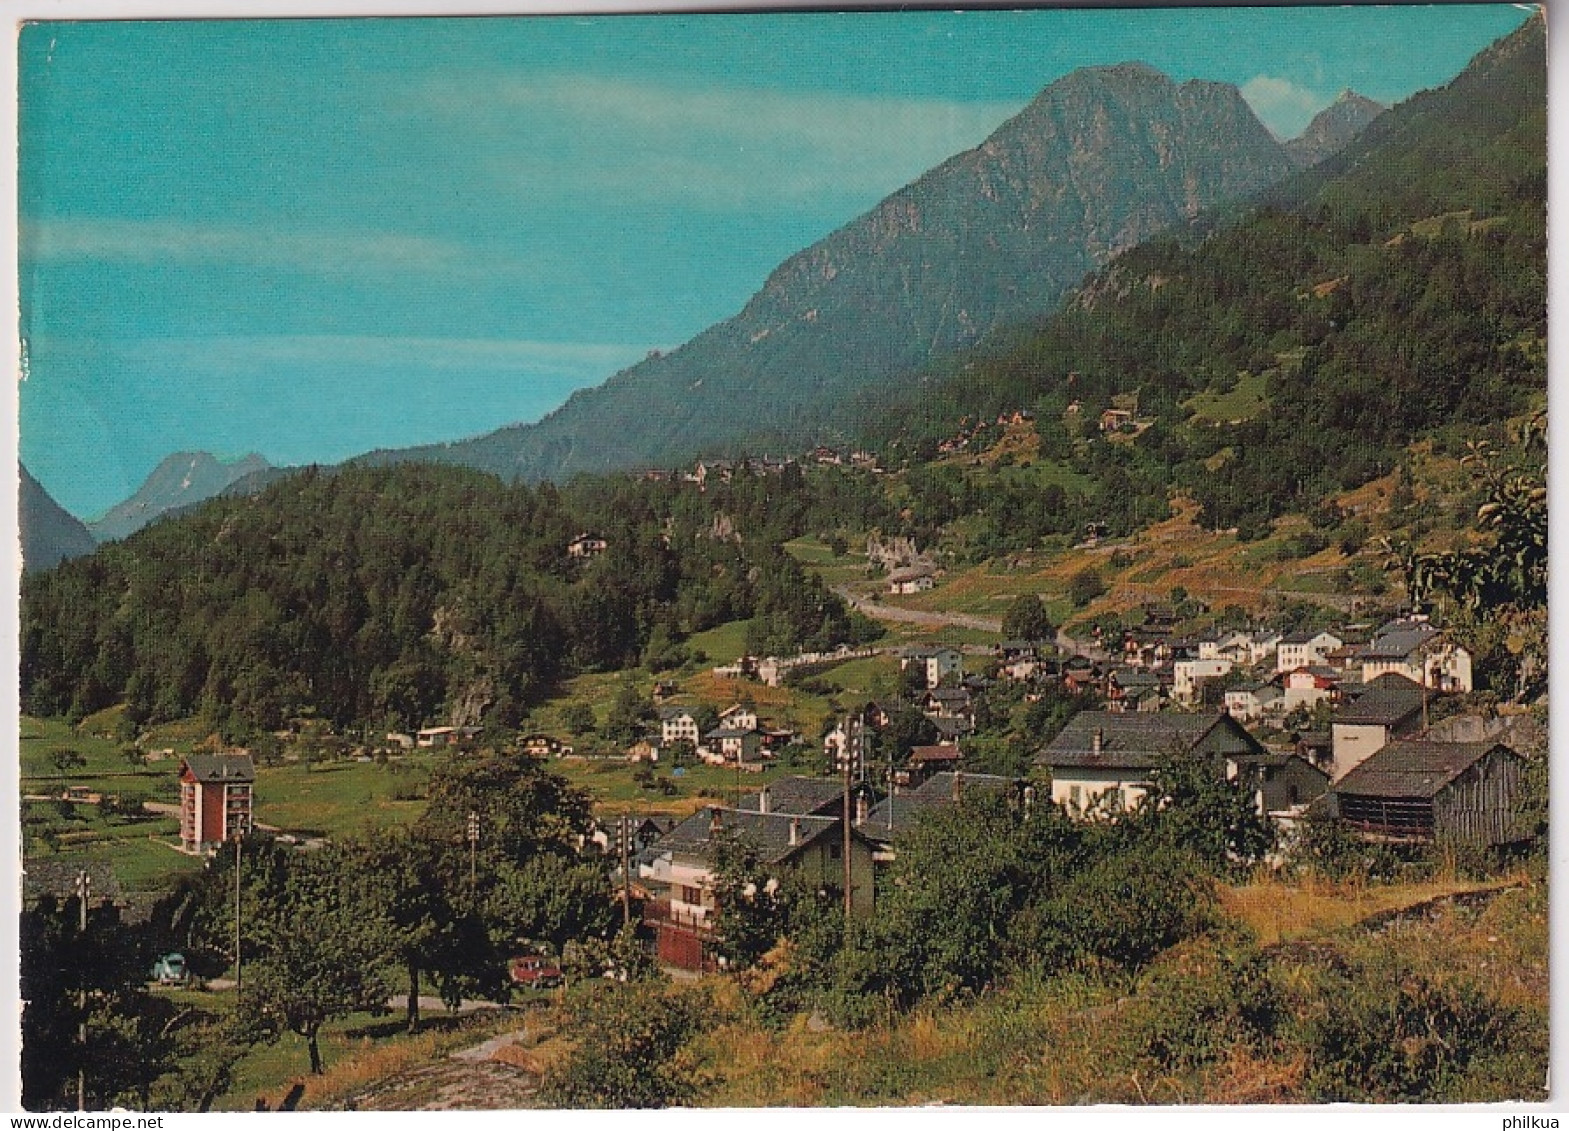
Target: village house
x=216, y=798
x=1252, y=701
x=868, y=716
x=679, y=872
x=437, y=737
x=952, y=729
x=1189, y=675
x=884, y=823
x=1281, y=785
x=1103, y=759
x=1390, y=708
x=544, y=746
x=1460, y=793
x=800, y=796
x=1309, y=686
x=586, y=546
x=1316, y=747
x=924, y=761
x=1113, y=419
x=646, y=830
x=1423, y=654
x=912, y=579
x=935, y=661
x=948, y=703
x=1018, y=660
x=678, y=724
x=1304, y=649
x=739, y=717
x=1131, y=689
x=728, y=746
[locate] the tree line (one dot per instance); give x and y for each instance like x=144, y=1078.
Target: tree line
x=397, y=596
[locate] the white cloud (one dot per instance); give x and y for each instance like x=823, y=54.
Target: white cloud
x=1282, y=105
x=275, y=353
x=716, y=147
x=175, y=241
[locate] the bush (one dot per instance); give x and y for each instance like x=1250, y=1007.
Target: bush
x=629, y=1039
x=1205, y=1003
x=1381, y=1036
x=1085, y=586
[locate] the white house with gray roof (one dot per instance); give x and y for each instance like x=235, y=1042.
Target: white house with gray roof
x=1104, y=759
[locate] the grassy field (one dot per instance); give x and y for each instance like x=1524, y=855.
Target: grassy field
x=336, y=798
x=1246, y=400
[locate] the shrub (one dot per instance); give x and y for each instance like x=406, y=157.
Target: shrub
x=629, y=1037
x=1390, y=1036
x=1205, y=1003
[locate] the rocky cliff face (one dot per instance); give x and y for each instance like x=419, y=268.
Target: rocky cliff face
x=1333, y=128
x=1100, y=160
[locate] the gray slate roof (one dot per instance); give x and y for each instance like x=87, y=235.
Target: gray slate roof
x=1133, y=740
x=770, y=832
x=939, y=787
x=801, y=796
x=221, y=767
x=1381, y=706
x=894, y=814
x=1400, y=643
x=1415, y=768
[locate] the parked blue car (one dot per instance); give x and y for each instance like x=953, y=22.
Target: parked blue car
x=170, y=970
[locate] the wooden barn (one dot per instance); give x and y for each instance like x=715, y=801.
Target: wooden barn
x=1413, y=791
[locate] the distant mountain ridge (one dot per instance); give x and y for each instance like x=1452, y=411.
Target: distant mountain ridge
x=1333, y=128
x=1101, y=160
x=50, y=533
x=180, y=480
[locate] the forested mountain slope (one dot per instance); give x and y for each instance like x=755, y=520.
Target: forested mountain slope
x=1293, y=350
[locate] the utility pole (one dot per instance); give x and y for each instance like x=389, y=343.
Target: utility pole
x=473, y=838
x=84, y=884
x=852, y=750
x=624, y=841
x=237, y=839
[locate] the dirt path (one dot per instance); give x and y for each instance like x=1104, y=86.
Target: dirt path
x=918, y=616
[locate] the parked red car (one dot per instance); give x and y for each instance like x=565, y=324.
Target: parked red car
x=535, y=971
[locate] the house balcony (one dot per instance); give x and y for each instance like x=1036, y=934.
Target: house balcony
x=667, y=913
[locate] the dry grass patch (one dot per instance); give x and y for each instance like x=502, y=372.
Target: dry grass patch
x=1278, y=911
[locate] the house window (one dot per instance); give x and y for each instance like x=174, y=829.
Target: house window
x=835, y=851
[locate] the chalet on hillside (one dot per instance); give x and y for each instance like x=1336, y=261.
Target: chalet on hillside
x=586, y=546
x=1461, y=793
x=544, y=746
x=216, y=798
x=912, y=579
x=1105, y=757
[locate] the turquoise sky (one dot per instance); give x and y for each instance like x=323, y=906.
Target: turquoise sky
x=311, y=238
